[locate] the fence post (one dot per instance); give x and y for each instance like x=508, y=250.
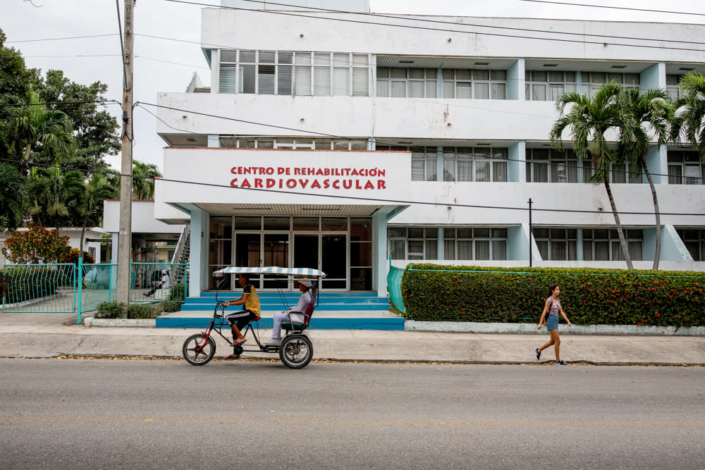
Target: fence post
x=110, y=282
x=80, y=287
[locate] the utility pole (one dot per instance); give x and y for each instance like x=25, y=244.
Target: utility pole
x=125, y=237
x=531, y=236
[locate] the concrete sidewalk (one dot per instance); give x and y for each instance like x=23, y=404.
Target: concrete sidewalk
x=56, y=340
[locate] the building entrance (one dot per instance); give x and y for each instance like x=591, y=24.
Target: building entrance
x=339, y=246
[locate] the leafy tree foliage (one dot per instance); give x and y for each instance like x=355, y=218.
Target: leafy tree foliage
x=143, y=183
x=36, y=245
x=12, y=197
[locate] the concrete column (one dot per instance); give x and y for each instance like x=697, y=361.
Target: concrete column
x=518, y=244
x=215, y=69
x=579, y=82
x=580, y=245
x=653, y=77
x=213, y=140
x=657, y=161
x=517, y=162
x=371, y=143
x=198, y=280
x=441, y=248
x=672, y=247
x=439, y=83
x=373, y=75
x=439, y=163
x=380, y=263
x=114, y=248
x=580, y=170
x=516, y=80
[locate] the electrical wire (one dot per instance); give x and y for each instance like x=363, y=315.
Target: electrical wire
x=19, y=105
x=356, y=198
x=537, y=38
x=377, y=140
x=61, y=38
x=122, y=46
x=670, y=12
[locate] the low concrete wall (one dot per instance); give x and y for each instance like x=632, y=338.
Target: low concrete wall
x=530, y=328
x=121, y=322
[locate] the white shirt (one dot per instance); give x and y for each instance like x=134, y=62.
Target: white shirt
x=304, y=300
x=165, y=282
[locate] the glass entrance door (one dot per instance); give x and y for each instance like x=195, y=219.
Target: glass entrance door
x=248, y=253
x=334, y=256
x=276, y=253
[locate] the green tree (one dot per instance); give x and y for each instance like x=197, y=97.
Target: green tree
x=95, y=130
x=15, y=77
x=36, y=245
x=12, y=197
x=96, y=191
x=644, y=112
x=54, y=195
x=688, y=124
x=143, y=181
x=589, y=119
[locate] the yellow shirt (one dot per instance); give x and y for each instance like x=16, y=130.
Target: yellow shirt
x=252, y=302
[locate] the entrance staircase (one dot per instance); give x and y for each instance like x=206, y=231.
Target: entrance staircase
x=182, y=253
x=344, y=310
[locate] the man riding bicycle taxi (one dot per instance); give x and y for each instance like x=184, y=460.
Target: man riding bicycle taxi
x=239, y=320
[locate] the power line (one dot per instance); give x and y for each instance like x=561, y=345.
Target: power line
x=122, y=46
x=61, y=39
x=380, y=141
x=71, y=55
x=172, y=63
x=356, y=198
x=426, y=20
x=102, y=102
x=670, y=12
x=600, y=43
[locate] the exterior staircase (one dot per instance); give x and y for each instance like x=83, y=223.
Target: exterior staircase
x=182, y=254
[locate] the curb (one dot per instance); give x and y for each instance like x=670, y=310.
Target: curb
x=121, y=322
x=530, y=329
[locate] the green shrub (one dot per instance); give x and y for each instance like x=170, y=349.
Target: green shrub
x=176, y=292
x=588, y=296
x=110, y=310
x=169, y=306
x=28, y=283
x=142, y=311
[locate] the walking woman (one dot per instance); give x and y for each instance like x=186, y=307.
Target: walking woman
x=552, y=308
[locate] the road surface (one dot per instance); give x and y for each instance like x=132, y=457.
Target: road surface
x=166, y=414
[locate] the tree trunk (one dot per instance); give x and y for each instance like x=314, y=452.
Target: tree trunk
x=657, y=213
x=622, y=240
x=83, y=234
x=25, y=159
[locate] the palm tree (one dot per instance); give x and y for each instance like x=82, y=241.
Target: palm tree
x=53, y=193
x=143, y=180
x=96, y=191
x=589, y=120
x=12, y=197
x=643, y=112
x=35, y=127
x=688, y=124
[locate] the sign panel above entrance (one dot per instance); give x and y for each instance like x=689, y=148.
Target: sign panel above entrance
x=240, y=176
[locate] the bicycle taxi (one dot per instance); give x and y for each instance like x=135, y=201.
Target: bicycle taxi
x=295, y=349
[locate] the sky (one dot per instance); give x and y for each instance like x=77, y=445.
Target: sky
x=23, y=20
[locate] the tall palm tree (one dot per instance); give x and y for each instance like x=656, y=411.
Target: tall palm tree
x=643, y=112
x=35, y=127
x=53, y=193
x=95, y=192
x=143, y=180
x=589, y=119
x=12, y=197
x=688, y=123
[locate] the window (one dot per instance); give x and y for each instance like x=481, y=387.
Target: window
x=413, y=243
x=284, y=143
x=557, y=244
x=482, y=244
x=294, y=73
x=673, y=86
x=220, y=248
x=593, y=81
x=400, y=83
x=479, y=164
x=551, y=166
x=685, y=168
x=604, y=245
x=549, y=86
x=694, y=241
x=474, y=84
x=619, y=173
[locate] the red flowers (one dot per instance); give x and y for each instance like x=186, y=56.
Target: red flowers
x=657, y=315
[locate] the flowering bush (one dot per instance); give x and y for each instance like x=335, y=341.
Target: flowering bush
x=37, y=245
x=588, y=296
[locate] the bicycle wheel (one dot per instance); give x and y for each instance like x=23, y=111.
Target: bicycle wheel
x=296, y=351
x=198, y=352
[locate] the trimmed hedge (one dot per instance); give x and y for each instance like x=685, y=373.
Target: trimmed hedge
x=115, y=310
x=23, y=284
x=588, y=296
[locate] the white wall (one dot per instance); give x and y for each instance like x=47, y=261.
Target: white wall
x=247, y=30
x=143, y=219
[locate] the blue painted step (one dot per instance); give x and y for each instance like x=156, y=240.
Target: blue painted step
x=386, y=324
x=328, y=307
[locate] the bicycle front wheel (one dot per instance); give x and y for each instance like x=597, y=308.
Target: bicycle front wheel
x=197, y=351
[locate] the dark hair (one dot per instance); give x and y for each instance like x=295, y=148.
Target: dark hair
x=246, y=276
x=551, y=288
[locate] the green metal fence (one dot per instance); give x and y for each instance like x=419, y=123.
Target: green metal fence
x=70, y=288
x=45, y=288
x=394, y=285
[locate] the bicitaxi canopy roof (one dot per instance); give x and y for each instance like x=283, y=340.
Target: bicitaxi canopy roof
x=271, y=270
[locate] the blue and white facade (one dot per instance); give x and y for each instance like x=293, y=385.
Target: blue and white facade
x=334, y=145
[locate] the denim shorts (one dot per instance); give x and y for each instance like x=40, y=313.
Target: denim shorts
x=552, y=322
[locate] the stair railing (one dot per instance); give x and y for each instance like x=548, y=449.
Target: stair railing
x=180, y=251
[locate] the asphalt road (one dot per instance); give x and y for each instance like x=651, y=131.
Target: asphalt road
x=166, y=414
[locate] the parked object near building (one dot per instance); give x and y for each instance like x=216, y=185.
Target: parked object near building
x=417, y=144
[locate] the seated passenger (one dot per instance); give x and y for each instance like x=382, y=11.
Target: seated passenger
x=300, y=309
x=239, y=320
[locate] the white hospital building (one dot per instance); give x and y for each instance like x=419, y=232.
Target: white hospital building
x=334, y=140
